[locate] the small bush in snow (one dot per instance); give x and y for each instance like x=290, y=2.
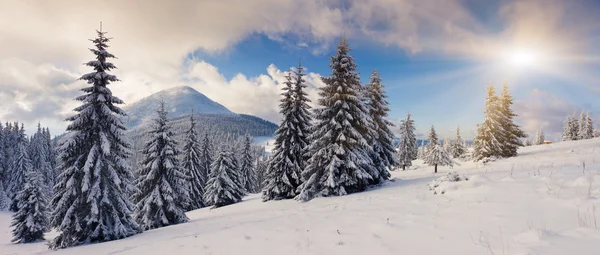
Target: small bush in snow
x=450, y=177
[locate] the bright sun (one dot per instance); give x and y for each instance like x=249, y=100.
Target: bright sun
x=522, y=58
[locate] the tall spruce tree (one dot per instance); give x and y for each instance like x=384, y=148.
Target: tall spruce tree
x=21, y=166
x=587, y=129
x=590, y=126
x=4, y=200
x=574, y=128
x=192, y=167
x=223, y=186
x=540, y=138
x=566, y=135
x=408, y=143
x=8, y=148
x=247, y=169
x=50, y=145
x=432, y=140
x=581, y=126
x=261, y=171
x=302, y=119
x=162, y=186
x=3, y=174
x=382, y=137
x=283, y=172
x=458, y=146
x=511, y=133
x=40, y=158
x=206, y=157
x=91, y=201
x=31, y=221
x=488, y=142
x=340, y=160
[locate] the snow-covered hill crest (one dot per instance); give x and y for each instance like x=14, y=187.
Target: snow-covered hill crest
x=544, y=201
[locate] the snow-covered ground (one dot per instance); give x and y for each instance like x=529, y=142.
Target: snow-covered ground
x=542, y=202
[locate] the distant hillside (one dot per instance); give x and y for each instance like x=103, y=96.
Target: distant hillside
x=211, y=116
x=179, y=101
x=238, y=124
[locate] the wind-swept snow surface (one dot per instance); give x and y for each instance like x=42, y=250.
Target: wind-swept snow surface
x=544, y=201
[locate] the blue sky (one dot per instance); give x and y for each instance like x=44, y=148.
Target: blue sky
x=436, y=58
x=431, y=102
x=440, y=90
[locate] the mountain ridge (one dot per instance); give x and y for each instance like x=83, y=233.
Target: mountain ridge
x=179, y=101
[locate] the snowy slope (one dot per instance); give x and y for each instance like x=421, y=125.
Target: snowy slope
x=541, y=202
x=180, y=101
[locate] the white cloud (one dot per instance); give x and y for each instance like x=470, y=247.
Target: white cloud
x=541, y=109
x=258, y=95
x=36, y=93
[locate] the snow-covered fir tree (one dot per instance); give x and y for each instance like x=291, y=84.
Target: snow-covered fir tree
x=262, y=162
x=408, y=143
x=162, y=185
x=447, y=145
x=3, y=174
x=30, y=222
x=574, y=128
x=432, y=141
x=511, y=134
x=41, y=158
x=51, y=145
x=458, y=148
x=247, y=169
x=301, y=111
x=340, y=161
x=489, y=133
x=283, y=173
x=206, y=156
x=581, y=125
x=382, y=137
x=587, y=129
x=4, y=200
x=21, y=166
x=596, y=133
x=528, y=142
x=422, y=151
x=590, y=126
x=540, y=138
x=223, y=186
x=192, y=167
x=409, y=125
x=289, y=158
x=567, y=126
x=8, y=149
x=437, y=156
x=91, y=201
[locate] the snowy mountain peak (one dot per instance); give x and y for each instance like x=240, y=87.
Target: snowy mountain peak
x=180, y=101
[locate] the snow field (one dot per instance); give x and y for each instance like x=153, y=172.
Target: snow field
x=544, y=201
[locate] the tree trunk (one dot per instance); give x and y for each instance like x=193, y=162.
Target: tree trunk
x=435, y=167
x=403, y=167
